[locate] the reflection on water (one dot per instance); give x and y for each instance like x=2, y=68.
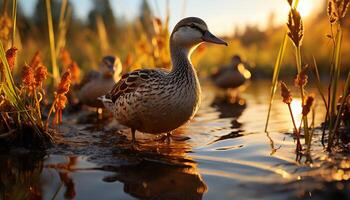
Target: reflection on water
x=153, y=180
x=228, y=156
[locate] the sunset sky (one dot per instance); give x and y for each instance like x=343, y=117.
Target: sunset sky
x=221, y=15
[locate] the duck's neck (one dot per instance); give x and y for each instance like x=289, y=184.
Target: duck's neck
x=180, y=58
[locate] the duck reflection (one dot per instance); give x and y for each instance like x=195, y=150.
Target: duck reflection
x=163, y=170
x=155, y=180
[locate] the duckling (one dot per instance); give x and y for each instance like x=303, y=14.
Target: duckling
x=157, y=101
x=97, y=83
x=233, y=75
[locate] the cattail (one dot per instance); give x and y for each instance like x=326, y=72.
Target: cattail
x=301, y=79
x=64, y=85
x=11, y=57
x=295, y=26
x=308, y=104
x=28, y=77
x=285, y=93
x=61, y=102
x=40, y=75
x=5, y=27
x=65, y=57
x=36, y=60
x=290, y=2
x=75, y=72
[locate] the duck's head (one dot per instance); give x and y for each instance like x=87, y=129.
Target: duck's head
x=111, y=66
x=190, y=32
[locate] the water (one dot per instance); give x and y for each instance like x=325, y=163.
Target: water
x=228, y=156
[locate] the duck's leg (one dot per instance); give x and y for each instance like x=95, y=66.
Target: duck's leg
x=133, y=137
x=169, y=136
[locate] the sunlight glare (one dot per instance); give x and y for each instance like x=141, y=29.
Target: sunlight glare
x=297, y=110
x=305, y=8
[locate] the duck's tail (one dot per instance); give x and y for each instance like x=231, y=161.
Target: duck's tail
x=108, y=103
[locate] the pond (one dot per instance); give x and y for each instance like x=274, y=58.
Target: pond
x=227, y=155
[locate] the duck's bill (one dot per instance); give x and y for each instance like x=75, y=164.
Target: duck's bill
x=209, y=37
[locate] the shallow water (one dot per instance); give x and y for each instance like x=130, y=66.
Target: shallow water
x=227, y=156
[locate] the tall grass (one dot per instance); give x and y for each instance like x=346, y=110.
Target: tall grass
x=277, y=67
x=14, y=20
x=10, y=90
x=65, y=14
x=55, y=69
x=336, y=11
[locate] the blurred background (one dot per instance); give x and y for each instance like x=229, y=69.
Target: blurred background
x=137, y=31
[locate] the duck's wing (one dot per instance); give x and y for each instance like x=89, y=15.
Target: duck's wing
x=88, y=77
x=130, y=82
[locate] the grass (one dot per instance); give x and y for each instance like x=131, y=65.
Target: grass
x=55, y=69
x=21, y=109
x=333, y=121
x=277, y=69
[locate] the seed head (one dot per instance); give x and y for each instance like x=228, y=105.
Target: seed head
x=11, y=57
x=337, y=9
x=5, y=27
x=308, y=104
x=302, y=79
x=65, y=57
x=63, y=86
x=40, y=75
x=75, y=72
x=285, y=93
x=295, y=26
x=61, y=101
x=28, y=78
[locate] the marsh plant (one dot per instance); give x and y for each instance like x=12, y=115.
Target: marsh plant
x=23, y=103
x=337, y=105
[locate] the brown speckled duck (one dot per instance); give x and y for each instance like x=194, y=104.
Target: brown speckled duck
x=98, y=83
x=156, y=101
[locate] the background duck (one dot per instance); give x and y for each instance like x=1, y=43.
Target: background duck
x=233, y=75
x=98, y=83
x=157, y=101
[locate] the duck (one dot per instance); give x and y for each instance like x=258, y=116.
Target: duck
x=98, y=83
x=232, y=76
x=158, y=101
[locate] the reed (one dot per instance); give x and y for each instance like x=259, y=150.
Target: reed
x=14, y=21
x=55, y=69
x=277, y=66
x=65, y=14
x=336, y=11
x=334, y=119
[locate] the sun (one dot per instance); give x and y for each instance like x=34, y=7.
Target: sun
x=305, y=7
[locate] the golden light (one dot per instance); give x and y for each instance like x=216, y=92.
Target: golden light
x=305, y=7
x=297, y=110
x=244, y=71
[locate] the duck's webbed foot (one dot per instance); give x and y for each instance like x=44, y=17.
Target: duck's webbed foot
x=169, y=136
